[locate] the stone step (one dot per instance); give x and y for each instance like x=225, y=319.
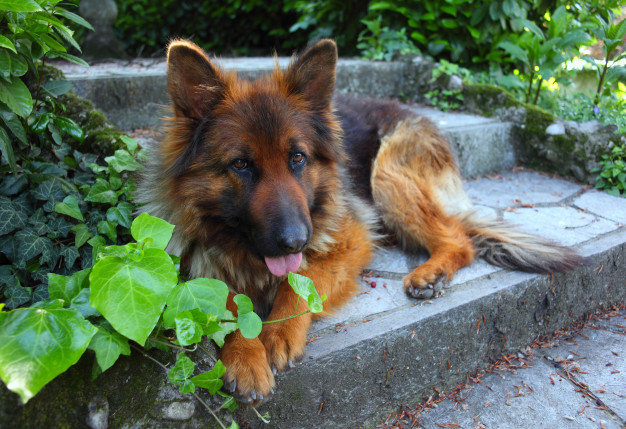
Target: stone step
x=134, y=95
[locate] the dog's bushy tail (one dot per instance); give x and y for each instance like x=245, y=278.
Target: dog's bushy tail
x=501, y=244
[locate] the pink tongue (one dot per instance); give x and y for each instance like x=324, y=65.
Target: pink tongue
x=283, y=264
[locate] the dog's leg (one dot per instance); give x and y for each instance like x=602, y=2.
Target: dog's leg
x=417, y=189
x=248, y=374
x=334, y=274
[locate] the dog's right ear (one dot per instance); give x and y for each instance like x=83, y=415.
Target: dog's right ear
x=194, y=82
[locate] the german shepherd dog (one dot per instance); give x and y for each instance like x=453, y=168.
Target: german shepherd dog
x=272, y=176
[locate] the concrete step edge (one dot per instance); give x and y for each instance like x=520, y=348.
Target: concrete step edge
x=360, y=378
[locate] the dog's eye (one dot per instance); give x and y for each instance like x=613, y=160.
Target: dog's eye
x=298, y=158
x=239, y=164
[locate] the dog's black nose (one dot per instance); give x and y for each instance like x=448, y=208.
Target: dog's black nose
x=293, y=238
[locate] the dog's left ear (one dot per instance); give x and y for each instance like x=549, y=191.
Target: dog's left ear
x=194, y=82
x=312, y=73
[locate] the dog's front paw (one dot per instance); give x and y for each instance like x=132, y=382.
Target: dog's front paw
x=248, y=375
x=284, y=342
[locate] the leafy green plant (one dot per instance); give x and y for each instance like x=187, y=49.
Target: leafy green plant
x=52, y=208
x=459, y=30
x=54, y=196
x=132, y=292
x=578, y=106
x=611, y=34
x=612, y=169
x=446, y=99
x=381, y=43
x=542, y=54
x=238, y=27
x=32, y=31
x=339, y=19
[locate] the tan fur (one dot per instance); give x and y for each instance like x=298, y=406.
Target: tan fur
x=412, y=160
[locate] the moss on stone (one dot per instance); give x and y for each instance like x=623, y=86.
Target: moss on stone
x=101, y=136
x=485, y=98
x=131, y=388
x=103, y=140
x=569, y=154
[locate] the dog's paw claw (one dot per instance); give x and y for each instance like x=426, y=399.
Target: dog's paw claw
x=429, y=290
x=422, y=293
x=274, y=371
x=290, y=364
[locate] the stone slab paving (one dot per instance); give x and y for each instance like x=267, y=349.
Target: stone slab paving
x=543, y=394
x=600, y=352
x=603, y=205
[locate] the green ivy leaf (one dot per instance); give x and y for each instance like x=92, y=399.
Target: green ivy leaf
x=69, y=207
x=29, y=244
x=145, y=226
x=10, y=217
x=70, y=255
x=130, y=143
x=121, y=214
x=179, y=374
x=101, y=192
x=108, y=228
x=97, y=243
x=38, y=344
x=13, y=184
x=304, y=287
x=81, y=234
x=207, y=295
x=108, y=345
x=131, y=294
x=81, y=302
x=211, y=380
x=16, y=294
x=226, y=328
x=250, y=323
x=229, y=404
x=67, y=287
x=115, y=180
x=122, y=161
x=188, y=331
x=49, y=189
x=6, y=274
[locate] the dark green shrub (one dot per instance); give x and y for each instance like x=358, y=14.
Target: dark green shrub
x=241, y=27
x=338, y=19
x=55, y=195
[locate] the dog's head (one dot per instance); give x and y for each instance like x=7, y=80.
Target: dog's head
x=251, y=164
